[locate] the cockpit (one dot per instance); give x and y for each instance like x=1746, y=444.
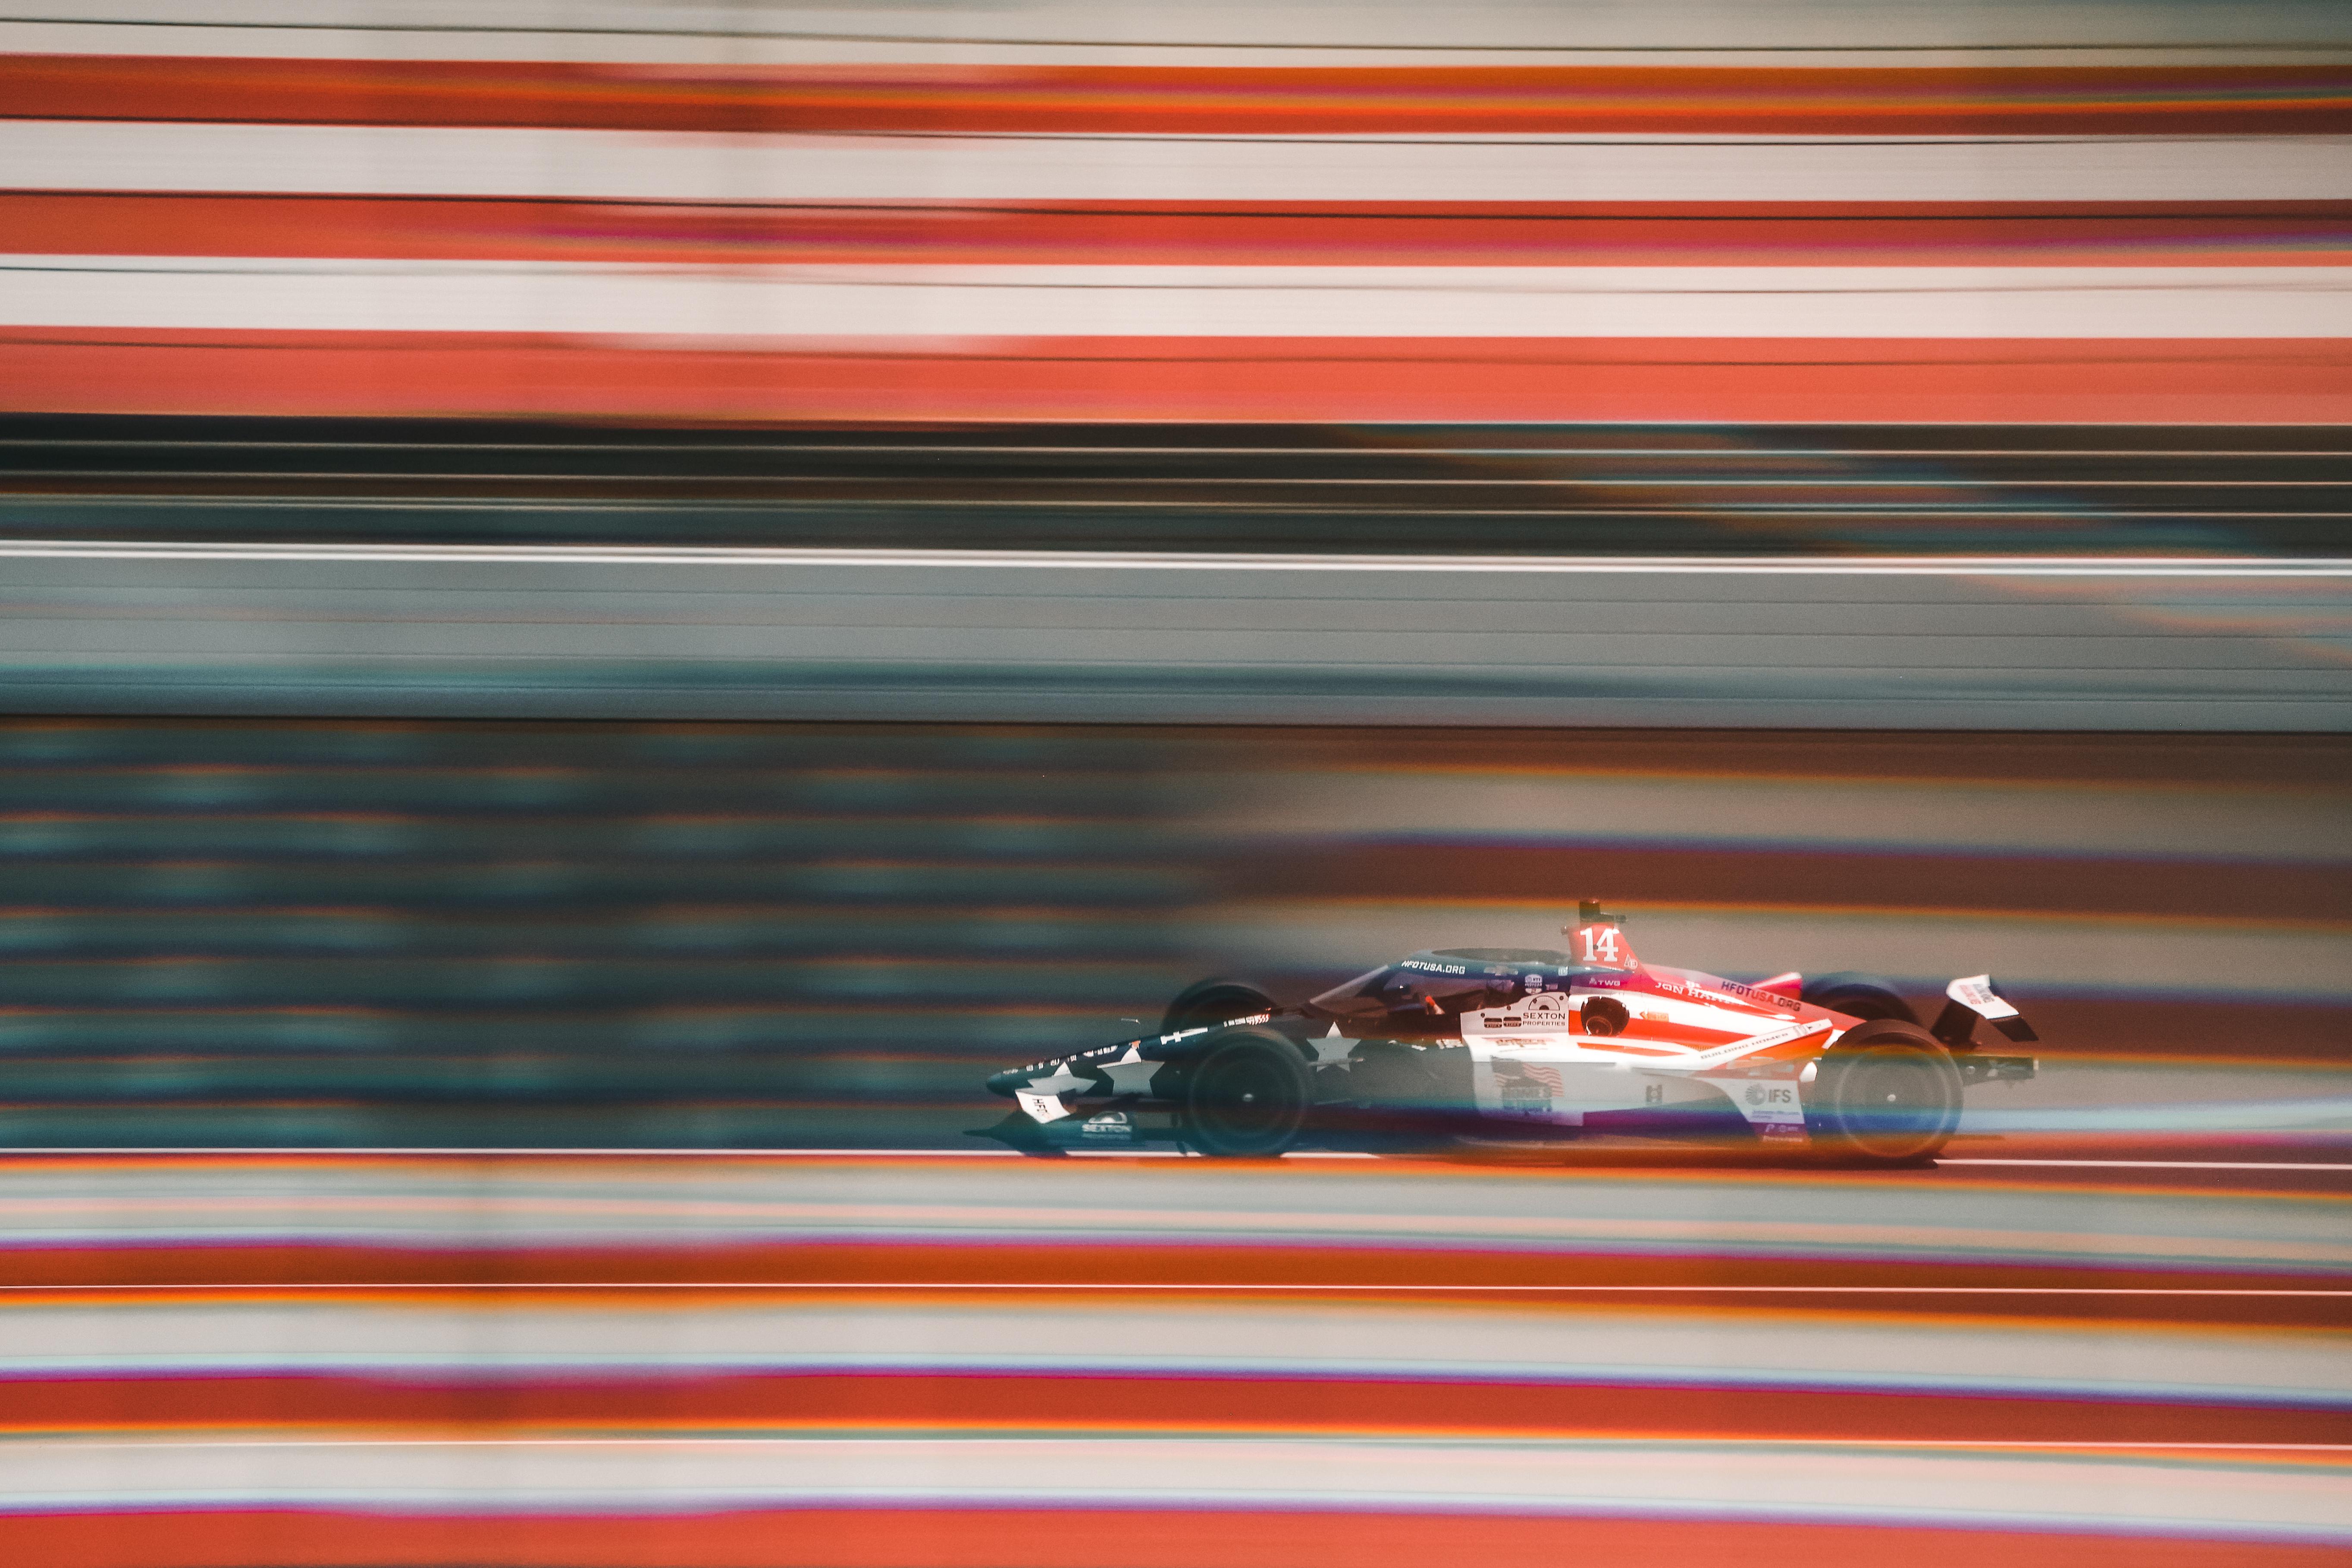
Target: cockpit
x=1420, y=996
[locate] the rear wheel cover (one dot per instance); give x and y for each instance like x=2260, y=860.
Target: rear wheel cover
x=1857, y=996
x=1247, y=1098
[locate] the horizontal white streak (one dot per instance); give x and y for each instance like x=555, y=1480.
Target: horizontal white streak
x=1947, y=566
x=963, y=306
x=885, y=44
x=1217, y=32
x=1864, y=1482
x=1539, y=1337
x=693, y=166
x=549, y=1204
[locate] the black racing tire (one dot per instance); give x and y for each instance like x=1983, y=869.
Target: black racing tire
x=1886, y=1094
x=1246, y=1096
x=1209, y=1003
x=1859, y=996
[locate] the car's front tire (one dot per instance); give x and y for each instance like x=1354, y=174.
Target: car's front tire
x=1886, y=1094
x=1247, y=1098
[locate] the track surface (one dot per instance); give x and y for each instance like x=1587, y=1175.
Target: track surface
x=374, y=1358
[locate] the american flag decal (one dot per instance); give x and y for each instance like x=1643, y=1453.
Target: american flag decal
x=1527, y=1081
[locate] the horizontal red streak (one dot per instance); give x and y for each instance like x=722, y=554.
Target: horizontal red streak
x=1074, y=1538
x=1229, y=234
x=1242, y=380
x=660, y=1400
x=2024, y=100
x=1784, y=881
x=1202, y=1267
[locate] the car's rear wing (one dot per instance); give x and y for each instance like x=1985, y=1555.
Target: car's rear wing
x=1974, y=998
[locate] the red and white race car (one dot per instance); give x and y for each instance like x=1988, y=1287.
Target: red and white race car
x=1535, y=1045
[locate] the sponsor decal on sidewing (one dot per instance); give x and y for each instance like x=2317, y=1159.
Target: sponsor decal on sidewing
x=1734, y=1049
x=1977, y=995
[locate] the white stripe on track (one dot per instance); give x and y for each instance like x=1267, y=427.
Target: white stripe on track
x=1865, y=1482
x=1614, y=1340
x=432, y=1152
x=633, y=165
x=961, y=309
x=2225, y=568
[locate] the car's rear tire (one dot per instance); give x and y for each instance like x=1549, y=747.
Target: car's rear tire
x=1246, y=1096
x=1859, y=996
x=1886, y=1094
x=1213, y=1002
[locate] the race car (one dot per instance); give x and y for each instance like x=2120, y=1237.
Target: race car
x=1530, y=1045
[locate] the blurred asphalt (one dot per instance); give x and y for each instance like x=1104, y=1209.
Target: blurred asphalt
x=1392, y=488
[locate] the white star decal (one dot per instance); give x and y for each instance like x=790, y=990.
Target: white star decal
x=1061, y=1081
x=1332, y=1048
x=1131, y=1074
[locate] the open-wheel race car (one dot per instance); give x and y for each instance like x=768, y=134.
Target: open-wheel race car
x=1530, y=1045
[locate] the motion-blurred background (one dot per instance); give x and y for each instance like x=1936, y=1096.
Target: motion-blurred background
x=609, y=575
x=1860, y=485
x=660, y=935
